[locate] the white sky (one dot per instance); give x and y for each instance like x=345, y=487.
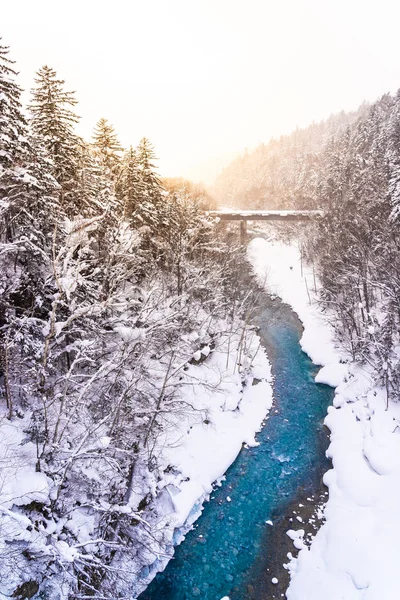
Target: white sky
x=203, y=79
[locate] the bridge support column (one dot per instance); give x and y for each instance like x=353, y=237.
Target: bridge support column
x=243, y=232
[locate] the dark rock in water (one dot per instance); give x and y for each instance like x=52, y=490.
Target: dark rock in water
x=26, y=590
x=196, y=592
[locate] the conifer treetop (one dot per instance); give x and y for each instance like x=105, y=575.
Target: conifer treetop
x=53, y=121
x=107, y=146
x=104, y=136
x=12, y=122
x=146, y=157
x=50, y=99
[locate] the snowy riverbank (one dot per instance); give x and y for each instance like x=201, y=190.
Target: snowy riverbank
x=229, y=409
x=223, y=392
x=354, y=555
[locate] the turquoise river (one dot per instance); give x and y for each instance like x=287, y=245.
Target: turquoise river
x=232, y=550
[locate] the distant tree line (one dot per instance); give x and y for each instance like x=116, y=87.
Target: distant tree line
x=282, y=173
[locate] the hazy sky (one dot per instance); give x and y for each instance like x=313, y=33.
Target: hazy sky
x=203, y=79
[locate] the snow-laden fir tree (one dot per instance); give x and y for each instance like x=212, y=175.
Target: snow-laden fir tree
x=28, y=189
x=27, y=217
x=184, y=239
x=393, y=158
x=53, y=120
x=107, y=147
x=14, y=148
x=130, y=184
x=151, y=193
x=96, y=189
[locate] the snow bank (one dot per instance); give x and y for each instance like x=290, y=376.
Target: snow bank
x=354, y=556
x=278, y=267
x=230, y=406
x=19, y=483
x=20, y=486
x=207, y=449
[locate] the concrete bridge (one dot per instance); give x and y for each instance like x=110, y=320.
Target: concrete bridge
x=264, y=215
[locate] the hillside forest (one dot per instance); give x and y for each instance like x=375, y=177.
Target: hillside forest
x=348, y=166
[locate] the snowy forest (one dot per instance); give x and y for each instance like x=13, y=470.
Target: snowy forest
x=114, y=286
x=348, y=166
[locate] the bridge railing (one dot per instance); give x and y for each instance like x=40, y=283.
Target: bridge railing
x=266, y=215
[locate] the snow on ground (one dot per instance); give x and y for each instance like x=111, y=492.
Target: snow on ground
x=354, y=555
x=20, y=485
x=224, y=393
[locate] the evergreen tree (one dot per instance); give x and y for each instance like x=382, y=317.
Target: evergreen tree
x=130, y=183
x=393, y=157
x=149, y=210
x=146, y=156
x=28, y=212
x=95, y=189
x=107, y=146
x=27, y=188
x=53, y=121
x=14, y=148
x=184, y=236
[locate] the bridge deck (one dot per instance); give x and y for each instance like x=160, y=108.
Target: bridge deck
x=266, y=215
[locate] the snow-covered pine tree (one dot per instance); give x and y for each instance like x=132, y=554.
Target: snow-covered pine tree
x=183, y=240
x=107, y=147
x=95, y=190
x=14, y=148
x=151, y=192
x=393, y=157
x=27, y=218
x=53, y=121
x=130, y=184
x=28, y=191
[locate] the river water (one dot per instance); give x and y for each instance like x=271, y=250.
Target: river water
x=232, y=551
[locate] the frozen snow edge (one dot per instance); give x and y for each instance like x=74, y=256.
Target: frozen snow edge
x=354, y=555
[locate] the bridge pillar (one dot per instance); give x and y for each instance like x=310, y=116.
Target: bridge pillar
x=243, y=232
